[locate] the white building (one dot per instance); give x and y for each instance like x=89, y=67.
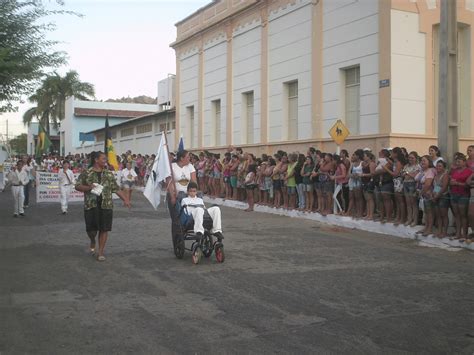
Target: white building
x=272, y=73
x=85, y=116
x=140, y=135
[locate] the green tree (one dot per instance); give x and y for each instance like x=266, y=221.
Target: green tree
x=19, y=144
x=51, y=97
x=25, y=53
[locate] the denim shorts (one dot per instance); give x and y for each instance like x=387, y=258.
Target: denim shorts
x=368, y=187
x=291, y=190
x=386, y=187
x=409, y=188
x=327, y=186
x=459, y=199
x=442, y=202
x=317, y=185
x=276, y=185
x=428, y=204
x=308, y=187
x=355, y=184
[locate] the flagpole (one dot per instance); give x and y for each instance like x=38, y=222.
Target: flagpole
x=169, y=161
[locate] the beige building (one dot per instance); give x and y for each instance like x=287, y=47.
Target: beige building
x=279, y=73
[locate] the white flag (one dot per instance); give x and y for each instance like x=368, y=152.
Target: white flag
x=160, y=171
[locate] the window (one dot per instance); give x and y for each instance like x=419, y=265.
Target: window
x=114, y=134
x=162, y=127
x=127, y=132
x=352, y=99
x=144, y=128
x=216, y=110
x=190, y=118
x=99, y=137
x=248, y=116
x=292, y=89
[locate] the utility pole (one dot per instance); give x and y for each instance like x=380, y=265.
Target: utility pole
x=7, y=131
x=448, y=84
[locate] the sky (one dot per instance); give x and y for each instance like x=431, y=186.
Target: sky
x=120, y=46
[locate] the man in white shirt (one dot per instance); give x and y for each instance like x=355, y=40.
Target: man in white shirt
x=18, y=178
x=195, y=208
x=66, y=183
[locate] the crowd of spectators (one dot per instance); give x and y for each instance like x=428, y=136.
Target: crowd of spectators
x=389, y=186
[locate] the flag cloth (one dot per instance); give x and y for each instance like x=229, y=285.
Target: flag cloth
x=109, y=147
x=160, y=171
x=43, y=143
x=181, y=144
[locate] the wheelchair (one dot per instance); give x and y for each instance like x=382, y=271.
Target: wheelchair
x=183, y=231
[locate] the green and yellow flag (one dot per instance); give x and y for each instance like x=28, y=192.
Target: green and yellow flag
x=43, y=143
x=109, y=147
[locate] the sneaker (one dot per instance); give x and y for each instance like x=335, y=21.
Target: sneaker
x=198, y=235
x=22, y=214
x=64, y=212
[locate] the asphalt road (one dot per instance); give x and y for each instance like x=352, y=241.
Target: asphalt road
x=287, y=286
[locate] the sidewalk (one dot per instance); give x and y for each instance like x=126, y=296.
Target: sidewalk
x=399, y=231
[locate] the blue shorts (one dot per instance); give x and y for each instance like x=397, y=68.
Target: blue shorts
x=276, y=185
x=354, y=184
x=291, y=190
x=386, y=188
x=409, y=188
x=459, y=199
x=442, y=202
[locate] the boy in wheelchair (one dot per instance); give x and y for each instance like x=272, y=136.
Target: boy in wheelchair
x=194, y=207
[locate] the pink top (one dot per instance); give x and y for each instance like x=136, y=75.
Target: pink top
x=423, y=175
x=460, y=176
x=341, y=170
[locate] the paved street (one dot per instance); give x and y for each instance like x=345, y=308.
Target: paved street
x=287, y=286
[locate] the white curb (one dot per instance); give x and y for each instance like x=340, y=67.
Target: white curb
x=399, y=231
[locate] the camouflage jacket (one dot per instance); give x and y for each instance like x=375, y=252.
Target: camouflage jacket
x=107, y=180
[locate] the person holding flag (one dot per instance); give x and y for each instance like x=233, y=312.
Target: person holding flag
x=109, y=147
x=176, y=176
x=182, y=173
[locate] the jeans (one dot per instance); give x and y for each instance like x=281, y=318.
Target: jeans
x=300, y=189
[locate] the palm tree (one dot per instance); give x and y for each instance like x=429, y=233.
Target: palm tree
x=52, y=95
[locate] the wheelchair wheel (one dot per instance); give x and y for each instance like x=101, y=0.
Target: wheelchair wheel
x=207, y=246
x=219, y=250
x=179, y=248
x=197, y=254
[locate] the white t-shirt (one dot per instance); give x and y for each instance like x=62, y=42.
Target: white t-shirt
x=66, y=178
x=182, y=176
x=192, y=203
x=128, y=175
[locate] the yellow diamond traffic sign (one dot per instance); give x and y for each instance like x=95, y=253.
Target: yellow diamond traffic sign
x=339, y=132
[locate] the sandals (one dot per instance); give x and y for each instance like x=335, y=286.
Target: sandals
x=101, y=258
